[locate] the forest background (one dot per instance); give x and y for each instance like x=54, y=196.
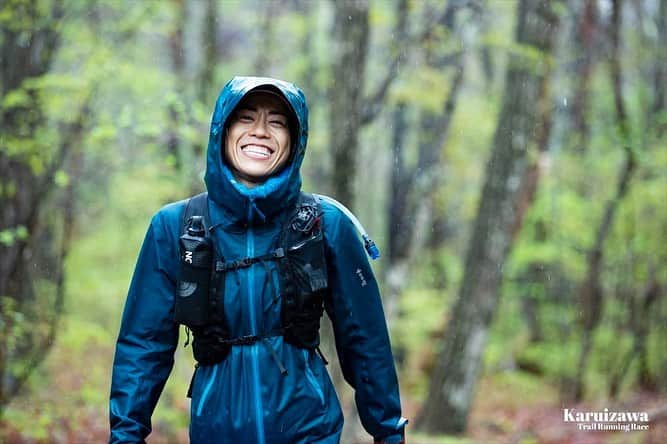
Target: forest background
x=508, y=157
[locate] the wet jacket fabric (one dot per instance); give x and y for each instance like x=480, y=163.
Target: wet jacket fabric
x=245, y=398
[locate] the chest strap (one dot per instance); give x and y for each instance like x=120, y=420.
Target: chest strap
x=251, y=339
x=278, y=253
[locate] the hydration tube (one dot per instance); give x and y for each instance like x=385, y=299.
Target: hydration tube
x=372, y=249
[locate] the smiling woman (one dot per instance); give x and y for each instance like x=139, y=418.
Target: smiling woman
x=257, y=142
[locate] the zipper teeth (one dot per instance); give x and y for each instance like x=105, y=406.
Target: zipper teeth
x=259, y=418
x=207, y=389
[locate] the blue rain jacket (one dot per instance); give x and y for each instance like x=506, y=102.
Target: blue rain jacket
x=245, y=398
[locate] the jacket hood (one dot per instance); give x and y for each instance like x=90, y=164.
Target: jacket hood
x=237, y=202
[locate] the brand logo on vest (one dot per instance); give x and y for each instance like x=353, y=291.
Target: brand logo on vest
x=188, y=257
x=361, y=277
x=186, y=289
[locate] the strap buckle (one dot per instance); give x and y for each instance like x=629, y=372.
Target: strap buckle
x=245, y=262
x=246, y=340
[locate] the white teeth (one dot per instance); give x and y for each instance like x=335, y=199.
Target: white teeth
x=257, y=150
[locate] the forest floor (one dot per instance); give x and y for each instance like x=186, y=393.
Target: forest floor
x=503, y=415
x=66, y=401
x=544, y=423
x=500, y=415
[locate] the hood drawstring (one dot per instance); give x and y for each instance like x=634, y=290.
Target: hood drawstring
x=255, y=209
x=276, y=359
x=268, y=282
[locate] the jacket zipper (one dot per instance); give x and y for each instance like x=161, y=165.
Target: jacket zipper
x=259, y=418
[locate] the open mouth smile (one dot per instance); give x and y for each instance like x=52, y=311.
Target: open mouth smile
x=258, y=152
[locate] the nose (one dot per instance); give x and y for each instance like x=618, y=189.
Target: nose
x=260, y=128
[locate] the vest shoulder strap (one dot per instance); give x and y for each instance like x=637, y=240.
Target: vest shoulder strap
x=196, y=206
x=302, y=220
x=307, y=199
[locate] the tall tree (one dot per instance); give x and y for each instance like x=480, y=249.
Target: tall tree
x=266, y=38
x=412, y=189
x=584, y=39
x=349, y=108
x=205, y=78
x=350, y=35
x=660, y=70
x=591, y=296
x=32, y=244
x=177, y=54
x=452, y=383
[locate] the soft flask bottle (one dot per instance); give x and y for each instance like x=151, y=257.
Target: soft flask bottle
x=192, y=301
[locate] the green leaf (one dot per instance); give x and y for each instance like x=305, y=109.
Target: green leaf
x=61, y=178
x=7, y=237
x=16, y=98
x=21, y=232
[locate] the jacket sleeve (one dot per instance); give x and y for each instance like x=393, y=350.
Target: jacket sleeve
x=360, y=330
x=147, y=339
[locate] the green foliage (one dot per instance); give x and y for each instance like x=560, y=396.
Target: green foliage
x=10, y=235
x=114, y=69
x=430, y=97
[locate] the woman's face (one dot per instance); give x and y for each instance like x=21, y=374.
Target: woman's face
x=257, y=143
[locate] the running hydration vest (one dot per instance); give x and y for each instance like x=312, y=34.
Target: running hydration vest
x=302, y=268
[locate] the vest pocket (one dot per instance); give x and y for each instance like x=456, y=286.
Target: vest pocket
x=307, y=265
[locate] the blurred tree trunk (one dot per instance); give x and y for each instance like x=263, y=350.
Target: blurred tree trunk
x=413, y=190
x=583, y=41
x=350, y=40
x=191, y=85
x=536, y=278
x=205, y=94
x=640, y=306
x=175, y=109
x=434, y=203
x=591, y=297
x=349, y=109
x=33, y=245
x=205, y=78
x=400, y=220
x=660, y=70
x=266, y=38
x=645, y=307
x=433, y=198
x=452, y=384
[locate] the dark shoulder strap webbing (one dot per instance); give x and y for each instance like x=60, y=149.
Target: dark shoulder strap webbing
x=196, y=206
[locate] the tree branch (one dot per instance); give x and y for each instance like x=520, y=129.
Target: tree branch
x=373, y=104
